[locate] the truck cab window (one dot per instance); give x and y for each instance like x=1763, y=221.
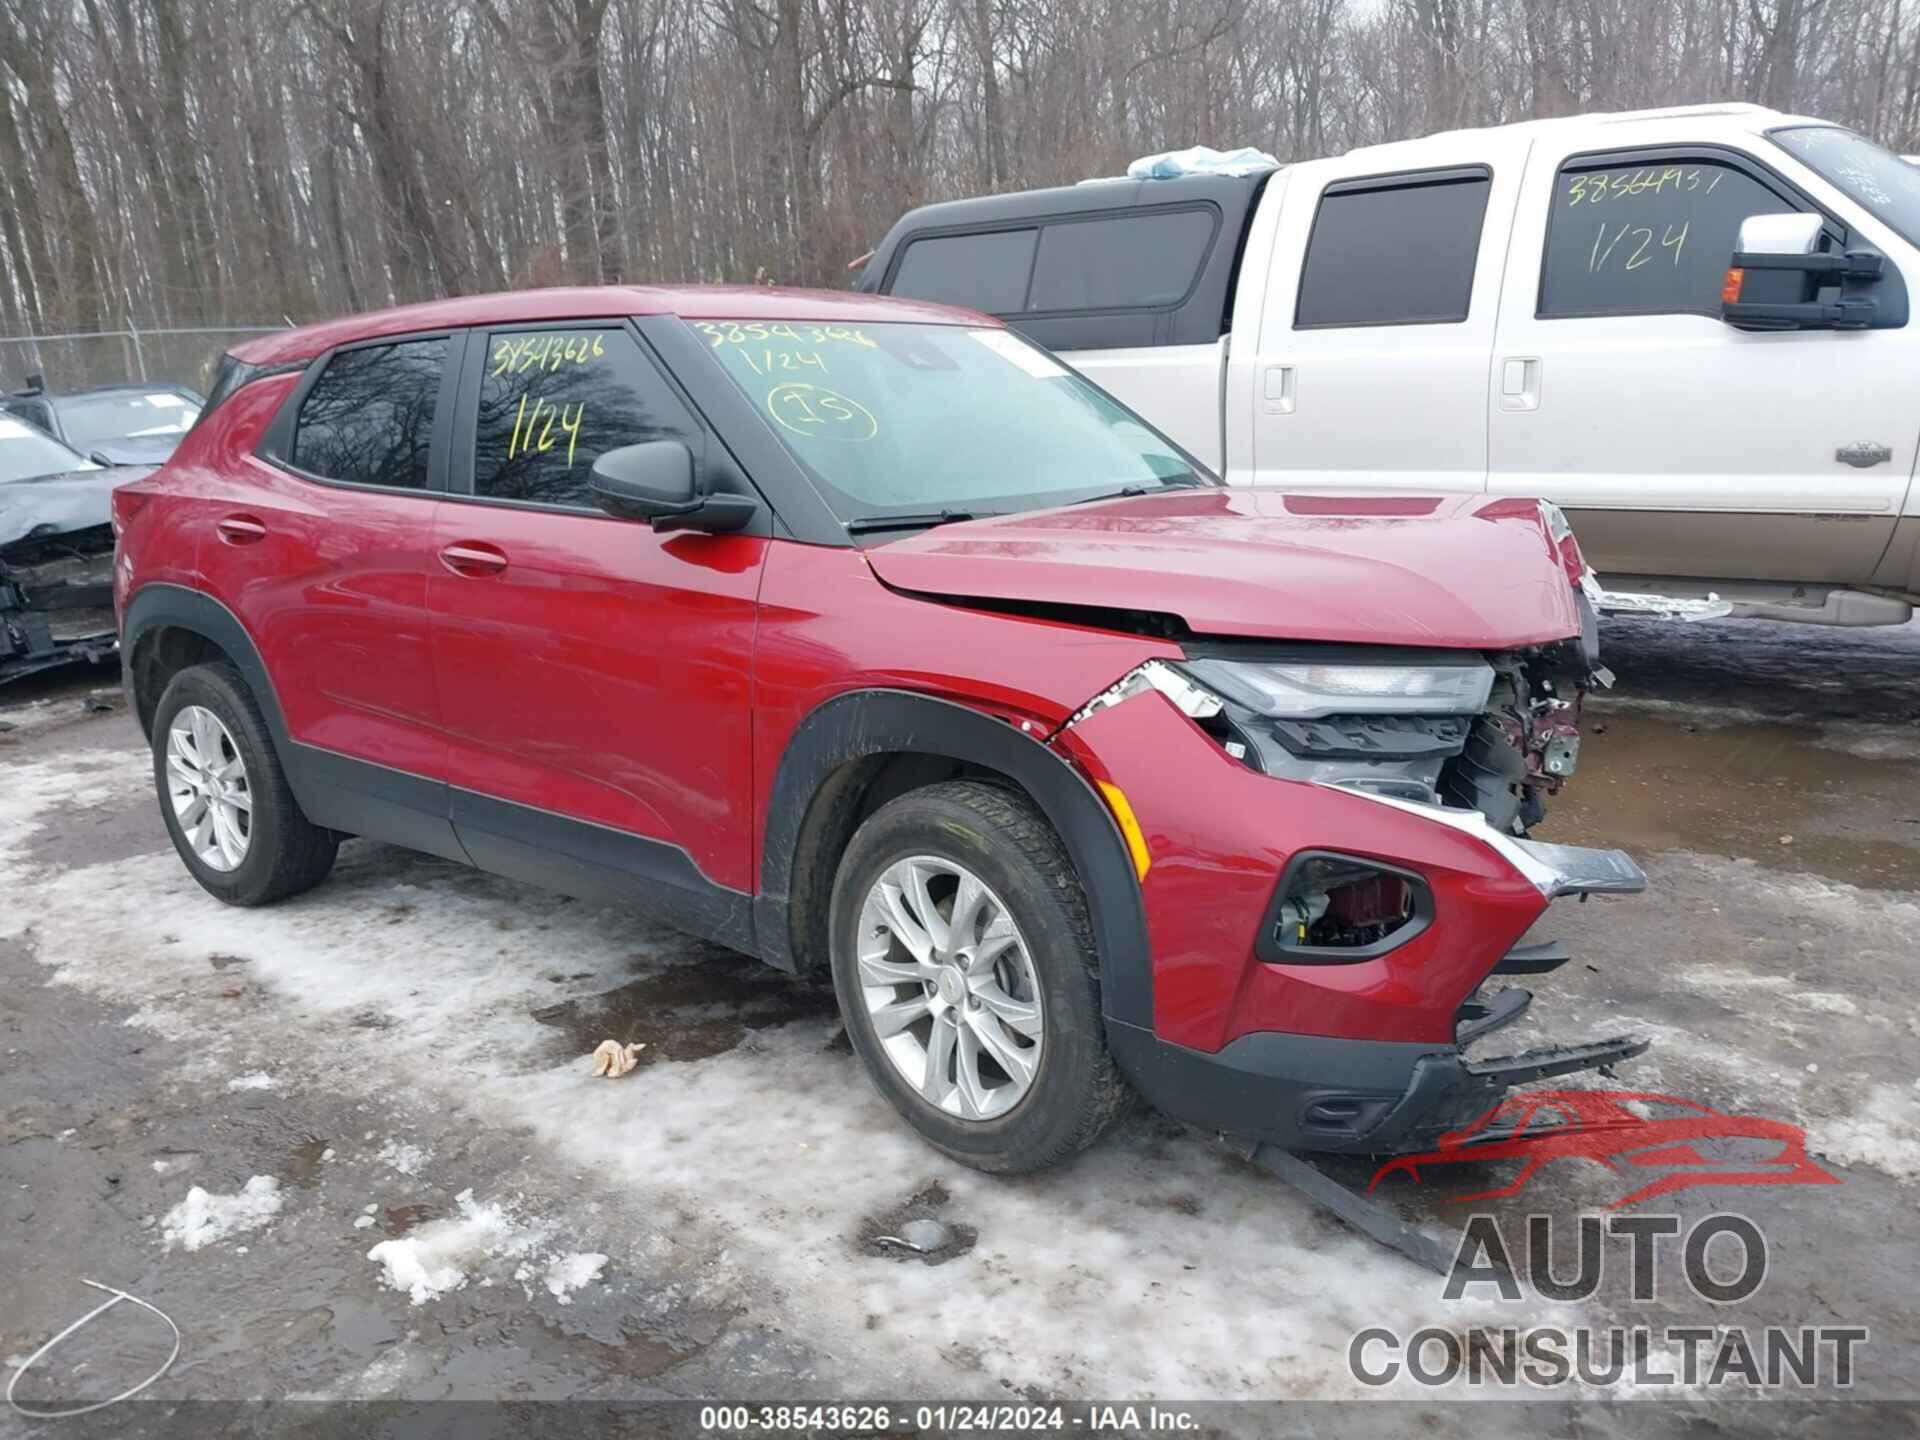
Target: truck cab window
x=987, y=271
x=368, y=420
x=554, y=401
x=1394, y=251
x=1128, y=262
x=1651, y=237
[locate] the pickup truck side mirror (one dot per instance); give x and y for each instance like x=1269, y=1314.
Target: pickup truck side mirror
x=1779, y=271
x=657, y=481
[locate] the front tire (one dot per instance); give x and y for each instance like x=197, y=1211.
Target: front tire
x=964, y=963
x=224, y=797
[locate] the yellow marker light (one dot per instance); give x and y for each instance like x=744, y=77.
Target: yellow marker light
x=1116, y=799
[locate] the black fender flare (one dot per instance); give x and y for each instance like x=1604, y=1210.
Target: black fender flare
x=873, y=722
x=162, y=604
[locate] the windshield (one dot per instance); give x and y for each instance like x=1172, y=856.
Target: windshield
x=91, y=420
x=26, y=452
x=904, y=419
x=1880, y=180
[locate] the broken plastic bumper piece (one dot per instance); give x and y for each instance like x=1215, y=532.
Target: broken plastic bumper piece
x=1554, y=870
x=1665, y=607
x=1578, y=869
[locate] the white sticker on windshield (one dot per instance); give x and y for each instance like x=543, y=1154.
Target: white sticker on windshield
x=13, y=430
x=165, y=402
x=1036, y=363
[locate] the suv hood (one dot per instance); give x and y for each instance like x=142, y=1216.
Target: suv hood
x=1453, y=571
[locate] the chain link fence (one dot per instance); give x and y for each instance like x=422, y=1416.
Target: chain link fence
x=182, y=355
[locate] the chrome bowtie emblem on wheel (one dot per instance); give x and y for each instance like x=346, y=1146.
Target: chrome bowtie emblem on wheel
x=207, y=783
x=950, y=988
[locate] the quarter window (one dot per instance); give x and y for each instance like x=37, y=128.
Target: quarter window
x=1648, y=238
x=1129, y=262
x=554, y=401
x=368, y=420
x=983, y=272
x=1395, y=251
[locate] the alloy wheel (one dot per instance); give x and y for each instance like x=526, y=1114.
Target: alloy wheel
x=950, y=988
x=207, y=784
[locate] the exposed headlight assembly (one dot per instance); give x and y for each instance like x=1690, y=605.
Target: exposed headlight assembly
x=1307, y=690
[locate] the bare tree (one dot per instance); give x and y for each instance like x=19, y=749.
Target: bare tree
x=223, y=159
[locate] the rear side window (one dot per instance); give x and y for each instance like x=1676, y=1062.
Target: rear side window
x=230, y=372
x=554, y=401
x=368, y=420
x=1393, y=251
x=33, y=412
x=1129, y=262
x=987, y=272
x=1648, y=238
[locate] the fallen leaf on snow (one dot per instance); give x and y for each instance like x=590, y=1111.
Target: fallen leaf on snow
x=612, y=1059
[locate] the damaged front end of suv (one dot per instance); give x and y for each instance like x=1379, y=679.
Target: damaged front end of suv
x=1333, y=848
x=1401, y=879
x=56, y=571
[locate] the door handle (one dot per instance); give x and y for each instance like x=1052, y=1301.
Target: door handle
x=1520, y=384
x=240, y=529
x=1277, y=390
x=473, y=558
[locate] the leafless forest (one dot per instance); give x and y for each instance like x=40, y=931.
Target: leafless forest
x=193, y=161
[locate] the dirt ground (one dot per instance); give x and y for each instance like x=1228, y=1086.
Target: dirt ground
x=401, y=1057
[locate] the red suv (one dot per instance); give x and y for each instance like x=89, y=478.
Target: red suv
x=863, y=636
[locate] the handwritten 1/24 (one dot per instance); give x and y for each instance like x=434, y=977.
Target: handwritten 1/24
x=1642, y=252
x=522, y=441
x=544, y=352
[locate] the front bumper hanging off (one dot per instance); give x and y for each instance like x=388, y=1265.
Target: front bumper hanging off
x=1386, y=1097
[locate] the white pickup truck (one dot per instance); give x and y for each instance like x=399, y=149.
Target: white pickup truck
x=1688, y=328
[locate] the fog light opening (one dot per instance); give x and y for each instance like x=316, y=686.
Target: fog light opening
x=1330, y=908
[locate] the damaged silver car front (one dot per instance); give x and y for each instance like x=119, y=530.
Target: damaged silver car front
x=56, y=570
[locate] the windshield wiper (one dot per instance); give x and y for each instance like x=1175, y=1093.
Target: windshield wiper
x=922, y=520
x=1128, y=492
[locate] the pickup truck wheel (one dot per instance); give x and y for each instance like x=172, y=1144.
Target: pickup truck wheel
x=964, y=963
x=224, y=797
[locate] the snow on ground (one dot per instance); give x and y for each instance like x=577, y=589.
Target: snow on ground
x=781, y=1143
x=36, y=787
x=403, y=1157
x=20, y=719
x=1885, y=1134
x=1155, y=1264
x=257, y=1080
x=202, y=1219
x=571, y=1272
x=443, y=1255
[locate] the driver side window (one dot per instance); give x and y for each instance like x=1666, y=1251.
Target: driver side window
x=1647, y=237
x=554, y=400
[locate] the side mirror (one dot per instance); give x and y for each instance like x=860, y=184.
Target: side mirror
x=101, y=458
x=655, y=481
x=1779, y=271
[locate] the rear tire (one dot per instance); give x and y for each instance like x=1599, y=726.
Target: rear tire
x=986, y=1036
x=224, y=797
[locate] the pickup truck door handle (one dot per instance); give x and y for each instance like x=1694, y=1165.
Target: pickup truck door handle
x=1277, y=390
x=473, y=558
x=1520, y=383
x=240, y=529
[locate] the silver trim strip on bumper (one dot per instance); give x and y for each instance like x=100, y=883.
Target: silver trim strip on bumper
x=1554, y=870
